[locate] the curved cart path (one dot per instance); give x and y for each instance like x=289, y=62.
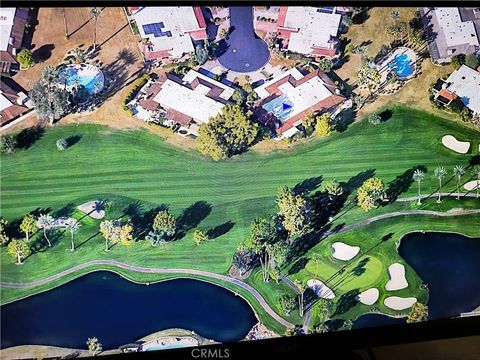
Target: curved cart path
x=141, y=269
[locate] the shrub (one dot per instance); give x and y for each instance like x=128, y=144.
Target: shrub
x=25, y=58
x=472, y=61
x=62, y=144
x=324, y=125
x=135, y=89
x=287, y=304
x=374, y=119
x=8, y=144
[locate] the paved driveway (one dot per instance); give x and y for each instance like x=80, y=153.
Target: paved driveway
x=245, y=52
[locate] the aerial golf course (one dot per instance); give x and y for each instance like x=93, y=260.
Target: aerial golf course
x=135, y=172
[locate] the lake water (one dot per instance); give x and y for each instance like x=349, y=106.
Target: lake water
x=117, y=312
x=449, y=264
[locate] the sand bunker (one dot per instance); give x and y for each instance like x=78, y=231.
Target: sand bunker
x=342, y=251
x=368, y=297
x=397, y=277
x=471, y=185
x=453, y=144
x=320, y=289
x=399, y=303
x=94, y=209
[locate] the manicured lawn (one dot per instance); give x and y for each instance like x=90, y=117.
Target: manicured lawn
x=136, y=170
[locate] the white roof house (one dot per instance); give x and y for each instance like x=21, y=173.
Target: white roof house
x=465, y=83
x=193, y=97
x=6, y=23
x=455, y=30
x=314, y=29
x=167, y=28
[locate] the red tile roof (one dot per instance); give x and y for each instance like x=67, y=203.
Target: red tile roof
x=282, y=15
x=199, y=15
x=179, y=117
x=323, y=52
x=447, y=94
x=200, y=34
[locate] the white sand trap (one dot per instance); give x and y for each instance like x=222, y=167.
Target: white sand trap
x=453, y=144
x=399, y=303
x=342, y=251
x=397, y=277
x=320, y=289
x=471, y=185
x=94, y=209
x=368, y=297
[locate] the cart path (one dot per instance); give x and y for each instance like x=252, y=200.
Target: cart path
x=228, y=279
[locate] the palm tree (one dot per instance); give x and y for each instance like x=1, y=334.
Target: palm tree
x=440, y=173
x=73, y=227
x=95, y=13
x=418, y=176
x=458, y=171
x=301, y=290
x=395, y=15
x=45, y=222
x=476, y=172
x=316, y=260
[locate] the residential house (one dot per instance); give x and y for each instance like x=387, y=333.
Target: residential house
x=286, y=100
x=13, y=101
x=12, y=29
x=451, y=31
x=309, y=30
x=189, y=101
x=167, y=32
x=464, y=84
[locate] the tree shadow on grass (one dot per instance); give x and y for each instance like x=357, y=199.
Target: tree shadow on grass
x=386, y=115
x=308, y=185
x=298, y=265
x=72, y=140
x=141, y=220
x=65, y=211
x=87, y=239
x=27, y=137
x=355, y=181
x=346, y=302
x=191, y=217
x=402, y=183
x=220, y=230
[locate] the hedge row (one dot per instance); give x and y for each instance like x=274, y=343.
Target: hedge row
x=133, y=92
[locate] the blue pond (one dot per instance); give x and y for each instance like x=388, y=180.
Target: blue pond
x=402, y=65
x=117, y=312
x=281, y=107
x=448, y=264
x=88, y=76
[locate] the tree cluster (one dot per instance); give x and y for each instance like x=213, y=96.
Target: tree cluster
x=229, y=133
x=370, y=193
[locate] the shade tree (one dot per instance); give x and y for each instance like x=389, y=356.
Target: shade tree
x=4, y=238
x=418, y=313
x=295, y=211
x=45, y=222
x=18, y=249
x=94, y=346
x=370, y=193
x=28, y=226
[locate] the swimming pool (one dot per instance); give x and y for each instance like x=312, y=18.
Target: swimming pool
x=82, y=75
x=281, y=107
x=402, y=65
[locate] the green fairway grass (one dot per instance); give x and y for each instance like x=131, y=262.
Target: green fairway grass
x=137, y=169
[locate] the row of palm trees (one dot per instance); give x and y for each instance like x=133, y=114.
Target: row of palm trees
x=440, y=173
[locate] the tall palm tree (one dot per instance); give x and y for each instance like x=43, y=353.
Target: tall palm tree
x=73, y=227
x=301, y=290
x=395, y=15
x=418, y=176
x=95, y=13
x=476, y=172
x=440, y=173
x=45, y=222
x=316, y=260
x=458, y=171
